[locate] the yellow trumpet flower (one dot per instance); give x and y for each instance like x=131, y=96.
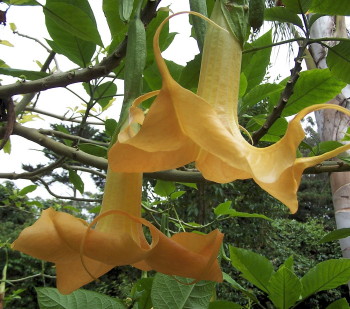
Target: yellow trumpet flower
x=182, y=127
x=82, y=254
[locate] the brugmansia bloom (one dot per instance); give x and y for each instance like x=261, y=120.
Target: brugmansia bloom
x=82, y=254
x=183, y=127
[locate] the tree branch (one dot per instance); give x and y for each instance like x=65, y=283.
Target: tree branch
x=285, y=95
x=62, y=197
x=81, y=75
x=63, y=118
x=71, y=137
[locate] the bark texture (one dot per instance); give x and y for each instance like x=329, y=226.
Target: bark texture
x=332, y=124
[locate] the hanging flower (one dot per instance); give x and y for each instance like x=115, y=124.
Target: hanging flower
x=82, y=254
x=182, y=127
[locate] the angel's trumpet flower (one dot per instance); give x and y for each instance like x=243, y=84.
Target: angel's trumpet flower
x=183, y=127
x=82, y=254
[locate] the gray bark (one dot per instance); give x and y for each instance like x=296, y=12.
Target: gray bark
x=333, y=124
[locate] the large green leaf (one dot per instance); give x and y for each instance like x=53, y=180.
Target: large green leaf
x=223, y=304
x=225, y=209
x=72, y=18
x=116, y=26
x=164, y=188
x=75, y=49
x=165, y=37
x=24, y=74
x=338, y=61
x=50, y=298
x=190, y=74
x=104, y=93
x=339, y=304
x=254, y=64
x=313, y=87
x=283, y=15
x=257, y=94
x=238, y=287
x=330, y=7
x=169, y=293
x=325, y=276
x=324, y=147
x=153, y=78
x=298, y=6
x=284, y=288
x=254, y=267
x=141, y=292
x=335, y=235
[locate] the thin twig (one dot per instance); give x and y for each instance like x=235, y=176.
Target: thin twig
x=71, y=137
x=62, y=197
x=63, y=118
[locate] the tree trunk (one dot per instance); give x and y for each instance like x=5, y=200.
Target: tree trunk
x=332, y=124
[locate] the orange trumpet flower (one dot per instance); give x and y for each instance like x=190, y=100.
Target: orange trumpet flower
x=182, y=127
x=82, y=254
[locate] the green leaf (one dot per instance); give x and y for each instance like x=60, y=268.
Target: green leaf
x=104, y=93
x=339, y=304
x=298, y=6
x=199, y=25
x=238, y=287
x=30, y=75
x=95, y=150
x=50, y=298
x=7, y=147
x=175, y=195
x=110, y=126
x=73, y=19
x=27, y=190
x=116, y=26
x=325, y=276
x=254, y=267
x=284, y=288
x=190, y=73
x=189, y=184
x=63, y=129
x=225, y=209
x=236, y=16
x=165, y=37
x=254, y=64
x=313, y=87
x=335, y=235
x=169, y=293
x=76, y=50
x=289, y=263
x=141, y=292
x=330, y=7
x=223, y=304
x=283, y=15
x=125, y=9
x=338, y=61
x=243, y=84
x=22, y=2
x=76, y=180
x=324, y=147
x=153, y=78
x=164, y=188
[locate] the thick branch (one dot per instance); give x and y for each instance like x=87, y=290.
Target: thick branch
x=286, y=94
x=82, y=75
